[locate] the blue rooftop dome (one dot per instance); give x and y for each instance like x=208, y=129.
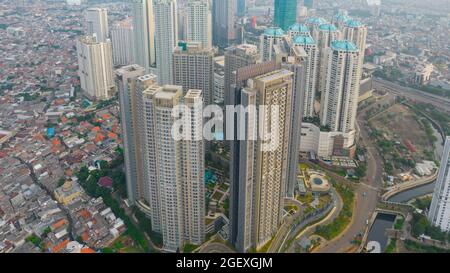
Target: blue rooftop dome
x=316, y=21
x=353, y=23
x=328, y=27
x=304, y=40
x=343, y=45
x=274, y=31
x=299, y=27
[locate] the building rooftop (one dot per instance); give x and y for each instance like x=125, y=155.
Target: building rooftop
x=299, y=27
x=343, y=45
x=273, y=31
x=316, y=21
x=353, y=23
x=304, y=40
x=328, y=27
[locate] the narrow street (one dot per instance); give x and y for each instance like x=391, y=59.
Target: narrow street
x=33, y=176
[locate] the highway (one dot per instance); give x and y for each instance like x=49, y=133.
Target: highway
x=440, y=102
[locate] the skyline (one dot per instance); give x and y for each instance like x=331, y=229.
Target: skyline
x=224, y=126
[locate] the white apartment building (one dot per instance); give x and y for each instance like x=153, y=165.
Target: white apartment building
x=269, y=38
x=325, y=34
x=166, y=37
x=199, y=22
x=298, y=30
x=97, y=23
x=219, y=80
x=193, y=68
x=310, y=47
x=95, y=67
x=144, y=33
x=439, y=214
x=339, y=100
x=126, y=80
x=356, y=32
x=180, y=165
x=263, y=173
x=123, y=43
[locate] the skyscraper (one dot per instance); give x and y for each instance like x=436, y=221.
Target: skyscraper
x=340, y=97
x=165, y=175
x=439, y=214
x=199, y=24
x=180, y=165
x=285, y=13
x=237, y=57
x=126, y=80
x=166, y=35
x=298, y=29
x=224, y=22
x=356, y=32
x=269, y=38
x=311, y=71
x=293, y=57
x=193, y=68
x=259, y=184
x=95, y=67
x=122, y=43
x=97, y=23
x=313, y=24
x=326, y=34
x=144, y=33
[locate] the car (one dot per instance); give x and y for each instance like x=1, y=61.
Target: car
x=367, y=222
x=364, y=193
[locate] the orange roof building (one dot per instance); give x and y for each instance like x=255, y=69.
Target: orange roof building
x=60, y=246
x=99, y=138
x=59, y=224
x=87, y=250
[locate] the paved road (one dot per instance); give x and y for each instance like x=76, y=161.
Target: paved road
x=216, y=248
x=394, y=88
x=329, y=217
x=365, y=205
x=285, y=228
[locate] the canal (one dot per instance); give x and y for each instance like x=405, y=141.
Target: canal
x=377, y=232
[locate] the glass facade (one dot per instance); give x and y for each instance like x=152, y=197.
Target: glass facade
x=285, y=13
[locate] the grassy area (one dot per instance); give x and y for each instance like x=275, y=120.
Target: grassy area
x=306, y=199
x=422, y=203
x=332, y=230
x=392, y=246
x=399, y=223
x=189, y=248
x=420, y=225
x=289, y=208
x=440, y=117
x=123, y=244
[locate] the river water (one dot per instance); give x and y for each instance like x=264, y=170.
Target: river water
x=382, y=222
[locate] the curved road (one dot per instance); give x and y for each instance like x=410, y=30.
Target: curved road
x=216, y=248
x=366, y=194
